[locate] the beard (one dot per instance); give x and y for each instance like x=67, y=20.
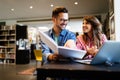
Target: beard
x=61, y=27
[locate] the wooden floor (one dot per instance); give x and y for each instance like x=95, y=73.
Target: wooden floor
x=10, y=71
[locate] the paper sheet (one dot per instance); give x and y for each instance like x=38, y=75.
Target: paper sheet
x=64, y=51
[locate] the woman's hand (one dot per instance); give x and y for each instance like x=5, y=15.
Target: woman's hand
x=92, y=51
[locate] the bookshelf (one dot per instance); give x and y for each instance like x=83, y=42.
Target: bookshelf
x=7, y=44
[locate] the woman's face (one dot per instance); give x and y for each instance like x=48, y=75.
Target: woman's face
x=87, y=27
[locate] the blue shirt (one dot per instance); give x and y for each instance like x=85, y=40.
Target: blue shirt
x=62, y=38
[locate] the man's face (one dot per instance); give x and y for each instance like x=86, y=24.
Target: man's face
x=61, y=21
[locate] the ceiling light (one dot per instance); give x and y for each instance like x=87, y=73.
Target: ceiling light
x=12, y=9
x=31, y=7
x=51, y=5
x=76, y=3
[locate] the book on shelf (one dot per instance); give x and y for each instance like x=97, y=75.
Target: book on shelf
x=64, y=51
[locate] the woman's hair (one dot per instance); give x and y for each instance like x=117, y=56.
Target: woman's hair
x=77, y=34
x=96, y=28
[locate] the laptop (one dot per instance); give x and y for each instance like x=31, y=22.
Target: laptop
x=108, y=54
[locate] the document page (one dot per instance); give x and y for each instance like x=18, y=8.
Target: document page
x=64, y=51
x=48, y=41
x=69, y=52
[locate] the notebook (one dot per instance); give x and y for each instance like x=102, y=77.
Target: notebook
x=108, y=54
x=64, y=51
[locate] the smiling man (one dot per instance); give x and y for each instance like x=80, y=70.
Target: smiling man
x=59, y=34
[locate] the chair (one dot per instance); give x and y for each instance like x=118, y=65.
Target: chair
x=38, y=56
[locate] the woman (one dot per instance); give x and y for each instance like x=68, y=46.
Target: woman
x=92, y=37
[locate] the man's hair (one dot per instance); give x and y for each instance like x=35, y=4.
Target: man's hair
x=58, y=10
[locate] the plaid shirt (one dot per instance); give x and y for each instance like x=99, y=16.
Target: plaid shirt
x=81, y=44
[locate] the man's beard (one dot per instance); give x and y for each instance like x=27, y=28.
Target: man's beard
x=60, y=28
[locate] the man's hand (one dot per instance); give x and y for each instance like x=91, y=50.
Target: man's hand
x=54, y=57
x=70, y=44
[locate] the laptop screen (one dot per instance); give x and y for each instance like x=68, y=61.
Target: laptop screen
x=108, y=53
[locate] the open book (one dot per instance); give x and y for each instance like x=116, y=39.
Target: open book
x=64, y=51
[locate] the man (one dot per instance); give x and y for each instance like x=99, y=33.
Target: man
x=59, y=34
